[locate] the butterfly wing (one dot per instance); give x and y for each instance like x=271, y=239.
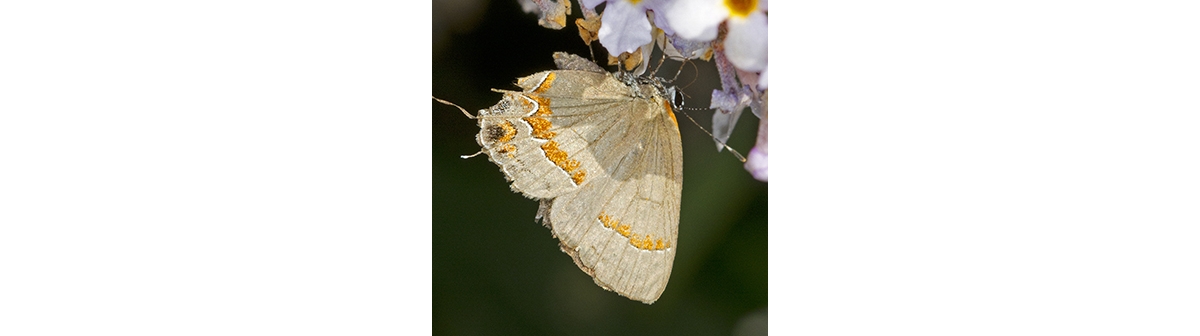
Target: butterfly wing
x=606, y=160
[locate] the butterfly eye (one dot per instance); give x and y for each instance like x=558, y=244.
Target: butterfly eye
x=675, y=97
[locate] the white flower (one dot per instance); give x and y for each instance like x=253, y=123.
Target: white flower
x=623, y=26
x=746, y=42
x=695, y=20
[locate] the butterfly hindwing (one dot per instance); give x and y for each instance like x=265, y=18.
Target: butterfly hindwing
x=604, y=157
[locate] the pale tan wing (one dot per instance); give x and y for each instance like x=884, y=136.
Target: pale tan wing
x=621, y=225
x=523, y=135
x=606, y=161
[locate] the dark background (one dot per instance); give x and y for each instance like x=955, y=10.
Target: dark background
x=496, y=271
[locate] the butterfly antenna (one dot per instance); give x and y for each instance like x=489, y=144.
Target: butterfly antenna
x=660, y=63
x=697, y=70
x=685, y=96
x=464, y=111
x=677, y=72
x=731, y=150
x=480, y=152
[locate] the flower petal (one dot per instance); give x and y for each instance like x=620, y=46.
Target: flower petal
x=528, y=6
x=590, y=4
x=660, y=21
x=695, y=20
x=729, y=105
x=624, y=27
x=762, y=79
x=746, y=44
x=691, y=49
x=756, y=162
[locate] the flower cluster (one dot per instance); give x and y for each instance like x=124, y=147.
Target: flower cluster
x=732, y=32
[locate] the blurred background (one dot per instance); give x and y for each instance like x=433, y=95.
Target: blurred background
x=498, y=272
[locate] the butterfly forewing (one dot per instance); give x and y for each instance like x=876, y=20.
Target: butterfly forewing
x=604, y=157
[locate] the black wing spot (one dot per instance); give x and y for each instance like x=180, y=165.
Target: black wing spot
x=492, y=133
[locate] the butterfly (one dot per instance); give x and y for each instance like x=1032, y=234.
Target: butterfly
x=602, y=154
